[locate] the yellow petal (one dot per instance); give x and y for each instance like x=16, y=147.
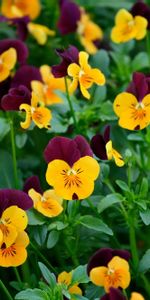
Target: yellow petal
x=1, y=237
x=89, y=166
x=16, y=217
x=88, y=45
x=46, y=74
x=40, y=32
x=9, y=58
x=4, y=72
x=21, y=8
x=35, y=196
x=38, y=88
x=75, y=290
x=22, y=239
x=141, y=25
x=49, y=207
x=65, y=278
x=84, y=91
x=73, y=85
x=54, y=171
x=28, y=119
x=118, y=263
x=9, y=234
x=34, y=99
x=83, y=60
x=123, y=102
x=118, y=158
x=51, y=194
x=73, y=70
x=136, y=296
x=97, y=76
x=122, y=267
x=109, y=150
x=97, y=275
x=41, y=117
x=123, y=17
x=12, y=256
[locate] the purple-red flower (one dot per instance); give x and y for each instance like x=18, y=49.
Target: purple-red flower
x=114, y=294
x=140, y=85
x=71, y=55
x=32, y=182
x=19, y=46
x=15, y=97
x=141, y=9
x=69, y=16
x=10, y=197
x=4, y=87
x=68, y=150
x=21, y=24
x=25, y=75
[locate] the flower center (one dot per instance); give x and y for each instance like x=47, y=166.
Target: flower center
x=81, y=73
x=32, y=109
x=140, y=105
x=110, y=271
x=71, y=172
x=10, y=251
x=43, y=199
x=71, y=178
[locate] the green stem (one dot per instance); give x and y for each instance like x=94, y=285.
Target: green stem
x=133, y=246
x=146, y=283
x=43, y=257
x=125, y=293
x=92, y=207
x=26, y=272
x=14, y=153
x=148, y=45
x=70, y=104
x=17, y=275
x=5, y=290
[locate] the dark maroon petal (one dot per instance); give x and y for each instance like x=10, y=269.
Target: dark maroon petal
x=69, y=16
x=104, y=255
x=98, y=146
x=21, y=24
x=139, y=86
x=83, y=146
x=71, y=55
x=62, y=148
x=21, y=48
x=4, y=87
x=32, y=182
x=25, y=75
x=107, y=134
x=114, y=294
x=3, y=19
x=15, y=97
x=141, y=9
x=9, y=197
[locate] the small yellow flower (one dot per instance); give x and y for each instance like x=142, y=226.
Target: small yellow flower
x=136, y=296
x=40, y=32
x=15, y=254
x=133, y=114
x=115, y=275
x=112, y=153
x=7, y=62
x=73, y=182
x=84, y=75
x=41, y=116
x=48, y=204
x=89, y=32
x=66, y=278
x=47, y=90
x=128, y=27
x=12, y=221
x=20, y=8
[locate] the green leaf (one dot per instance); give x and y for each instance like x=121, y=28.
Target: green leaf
x=57, y=225
x=140, y=61
x=107, y=113
x=35, y=294
x=101, y=60
x=144, y=187
x=48, y=276
x=21, y=140
x=35, y=218
x=79, y=297
x=123, y=185
x=80, y=275
x=4, y=128
x=145, y=216
x=144, y=264
x=40, y=233
x=52, y=239
x=95, y=224
x=6, y=170
x=108, y=201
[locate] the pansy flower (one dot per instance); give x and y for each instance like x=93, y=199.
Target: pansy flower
x=7, y=62
x=68, y=56
x=20, y=8
x=15, y=97
x=66, y=278
x=141, y=9
x=20, y=23
x=114, y=294
x=102, y=148
x=47, y=90
x=89, y=33
x=128, y=27
x=15, y=254
x=41, y=116
x=25, y=75
x=133, y=107
x=4, y=88
x=84, y=75
x=40, y=32
x=19, y=46
x=109, y=268
x=71, y=168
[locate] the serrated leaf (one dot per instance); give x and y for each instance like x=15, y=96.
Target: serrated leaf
x=48, y=276
x=108, y=201
x=95, y=224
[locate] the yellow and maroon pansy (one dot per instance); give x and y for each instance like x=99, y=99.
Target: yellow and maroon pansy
x=128, y=27
x=84, y=75
x=47, y=90
x=48, y=203
x=40, y=115
x=66, y=278
x=71, y=168
x=7, y=62
x=15, y=254
x=40, y=32
x=20, y=8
